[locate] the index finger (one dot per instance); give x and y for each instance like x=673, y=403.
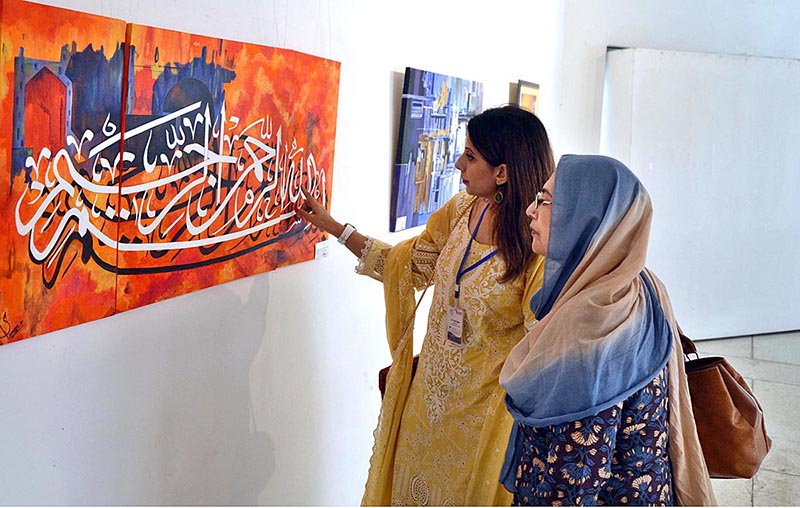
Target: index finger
x=312, y=203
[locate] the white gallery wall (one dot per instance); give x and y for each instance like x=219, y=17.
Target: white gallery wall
x=752, y=28
x=714, y=139
x=263, y=390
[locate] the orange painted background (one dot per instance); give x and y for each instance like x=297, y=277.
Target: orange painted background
x=80, y=289
x=218, y=136
x=265, y=98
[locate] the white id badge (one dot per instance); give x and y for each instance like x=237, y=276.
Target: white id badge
x=455, y=324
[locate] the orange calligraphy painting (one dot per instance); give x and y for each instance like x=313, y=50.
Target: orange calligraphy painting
x=147, y=163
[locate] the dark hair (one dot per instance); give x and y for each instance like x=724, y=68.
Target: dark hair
x=515, y=137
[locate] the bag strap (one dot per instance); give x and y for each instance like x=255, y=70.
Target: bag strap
x=688, y=344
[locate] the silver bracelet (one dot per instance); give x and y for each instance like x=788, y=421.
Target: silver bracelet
x=348, y=230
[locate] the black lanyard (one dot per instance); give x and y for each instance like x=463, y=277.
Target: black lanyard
x=461, y=271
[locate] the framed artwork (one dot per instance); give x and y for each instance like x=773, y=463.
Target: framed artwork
x=433, y=132
x=528, y=96
x=138, y=164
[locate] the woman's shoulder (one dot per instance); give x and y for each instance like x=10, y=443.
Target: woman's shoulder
x=534, y=273
x=455, y=208
x=460, y=203
x=535, y=265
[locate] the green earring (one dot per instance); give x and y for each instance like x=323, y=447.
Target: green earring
x=498, y=198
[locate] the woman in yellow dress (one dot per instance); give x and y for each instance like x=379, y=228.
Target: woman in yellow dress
x=441, y=436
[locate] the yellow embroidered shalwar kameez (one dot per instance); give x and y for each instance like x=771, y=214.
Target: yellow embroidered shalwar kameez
x=441, y=439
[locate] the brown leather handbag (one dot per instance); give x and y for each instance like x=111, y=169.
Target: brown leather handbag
x=729, y=419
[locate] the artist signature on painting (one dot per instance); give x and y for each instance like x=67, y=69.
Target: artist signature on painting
x=6, y=331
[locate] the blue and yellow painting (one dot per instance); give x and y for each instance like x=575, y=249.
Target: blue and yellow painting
x=433, y=131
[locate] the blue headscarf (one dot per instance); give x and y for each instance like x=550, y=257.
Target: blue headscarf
x=601, y=333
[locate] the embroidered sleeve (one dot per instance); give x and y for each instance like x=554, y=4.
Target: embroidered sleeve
x=427, y=245
x=372, y=259
x=423, y=258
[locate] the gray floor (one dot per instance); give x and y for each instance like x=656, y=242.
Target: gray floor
x=771, y=365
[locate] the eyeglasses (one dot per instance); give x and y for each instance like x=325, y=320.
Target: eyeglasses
x=539, y=201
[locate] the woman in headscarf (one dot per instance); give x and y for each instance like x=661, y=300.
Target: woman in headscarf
x=597, y=387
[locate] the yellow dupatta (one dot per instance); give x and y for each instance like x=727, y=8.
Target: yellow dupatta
x=399, y=295
x=398, y=291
